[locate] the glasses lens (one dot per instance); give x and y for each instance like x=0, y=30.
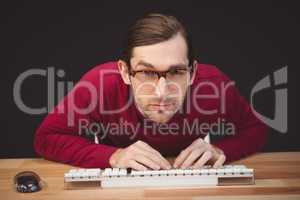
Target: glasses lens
x=177, y=76
x=146, y=76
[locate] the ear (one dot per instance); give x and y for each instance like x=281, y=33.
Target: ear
x=195, y=65
x=123, y=69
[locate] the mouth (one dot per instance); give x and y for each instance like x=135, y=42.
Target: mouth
x=162, y=106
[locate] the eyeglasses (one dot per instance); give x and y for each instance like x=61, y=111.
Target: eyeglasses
x=27, y=181
x=176, y=75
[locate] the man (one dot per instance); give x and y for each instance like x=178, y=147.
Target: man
x=156, y=101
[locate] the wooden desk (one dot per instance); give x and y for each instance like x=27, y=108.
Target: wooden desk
x=277, y=177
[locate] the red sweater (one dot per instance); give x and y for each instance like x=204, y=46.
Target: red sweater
x=59, y=140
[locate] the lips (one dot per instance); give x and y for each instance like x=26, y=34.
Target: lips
x=168, y=106
x=160, y=104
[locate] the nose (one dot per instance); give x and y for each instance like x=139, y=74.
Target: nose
x=161, y=88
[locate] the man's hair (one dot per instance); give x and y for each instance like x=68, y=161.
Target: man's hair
x=152, y=29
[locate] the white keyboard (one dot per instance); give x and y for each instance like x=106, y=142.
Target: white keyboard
x=205, y=176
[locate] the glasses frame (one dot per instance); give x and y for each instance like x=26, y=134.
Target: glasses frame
x=158, y=73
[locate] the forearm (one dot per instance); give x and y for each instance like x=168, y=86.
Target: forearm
x=73, y=150
x=244, y=143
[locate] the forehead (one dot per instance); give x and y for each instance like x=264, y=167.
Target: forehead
x=163, y=54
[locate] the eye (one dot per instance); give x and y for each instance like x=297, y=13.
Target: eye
x=177, y=72
x=149, y=73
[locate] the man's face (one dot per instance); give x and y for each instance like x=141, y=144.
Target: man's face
x=160, y=99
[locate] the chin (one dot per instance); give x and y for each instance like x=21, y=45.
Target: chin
x=162, y=121
x=161, y=118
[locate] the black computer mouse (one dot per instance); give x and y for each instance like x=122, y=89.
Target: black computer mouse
x=27, y=181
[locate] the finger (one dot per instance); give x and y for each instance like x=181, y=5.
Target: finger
x=220, y=161
x=136, y=166
x=184, y=154
x=206, y=156
x=151, y=156
x=146, y=161
x=180, y=158
x=155, y=155
x=150, y=149
x=192, y=157
x=199, y=141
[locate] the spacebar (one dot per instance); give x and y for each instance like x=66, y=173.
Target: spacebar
x=160, y=181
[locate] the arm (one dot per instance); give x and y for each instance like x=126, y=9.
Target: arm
x=56, y=140
x=251, y=134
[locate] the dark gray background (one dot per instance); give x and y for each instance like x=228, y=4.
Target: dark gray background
x=247, y=40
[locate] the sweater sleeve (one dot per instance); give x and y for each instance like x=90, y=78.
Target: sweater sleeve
x=250, y=133
x=62, y=135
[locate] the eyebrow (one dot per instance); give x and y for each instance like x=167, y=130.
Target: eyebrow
x=149, y=65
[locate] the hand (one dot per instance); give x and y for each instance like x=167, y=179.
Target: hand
x=138, y=156
x=198, y=154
